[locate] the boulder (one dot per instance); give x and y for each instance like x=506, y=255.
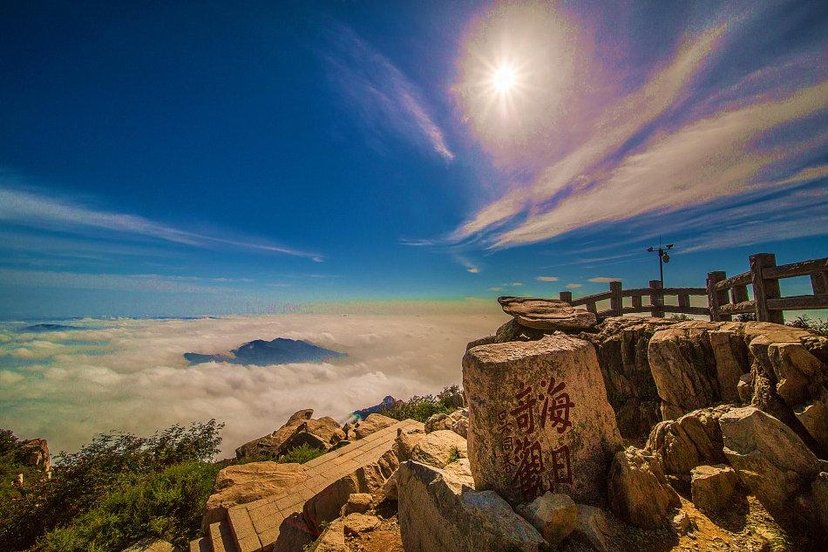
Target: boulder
x=243, y=483
x=539, y=419
x=814, y=418
x=324, y=434
x=513, y=331
x=441, y=511
x=778, y=369
x=358, y=503
x=638, y=490
x=333, y=538
x=406, y=440
x=554, y=515
x=271, y=445
x=621, y=347
x=713, y=487
x=770, y=459
x=456, y=421
x=592, y=526
x=548, y=315
x=690, y=441
x=371, y=424
x=440, y=448
x=35, y=453
x=327, y=504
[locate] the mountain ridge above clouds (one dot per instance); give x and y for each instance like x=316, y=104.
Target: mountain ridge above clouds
x=264, y=353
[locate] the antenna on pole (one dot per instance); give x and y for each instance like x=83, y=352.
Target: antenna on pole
x=663, y=257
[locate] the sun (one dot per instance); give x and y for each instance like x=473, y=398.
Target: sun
x=504, y=79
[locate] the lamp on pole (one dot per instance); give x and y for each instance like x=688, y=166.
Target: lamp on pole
x=663, y=258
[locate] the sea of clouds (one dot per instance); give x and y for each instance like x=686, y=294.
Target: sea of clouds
x=130, y=375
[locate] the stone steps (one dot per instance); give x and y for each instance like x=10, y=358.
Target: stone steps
x=254, y=527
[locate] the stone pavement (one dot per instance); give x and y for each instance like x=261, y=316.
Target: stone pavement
x=254, y=526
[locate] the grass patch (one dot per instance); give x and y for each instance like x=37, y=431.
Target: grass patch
x=421, y=408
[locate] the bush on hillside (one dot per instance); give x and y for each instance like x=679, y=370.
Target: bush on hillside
x=421, y=408
x=805, y=322
x=112, y=463
x=13, y=462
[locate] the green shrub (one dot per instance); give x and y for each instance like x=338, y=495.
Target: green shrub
x=12, y=462
x=81, y=482
x=166, y=505
x=300, y=455
x=805, y=322
x=421, y=408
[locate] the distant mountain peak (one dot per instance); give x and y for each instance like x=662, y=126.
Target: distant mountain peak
x=265, y=353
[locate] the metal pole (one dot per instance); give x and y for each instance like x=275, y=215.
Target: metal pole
x=661, y=266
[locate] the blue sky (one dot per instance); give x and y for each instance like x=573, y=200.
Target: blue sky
x=193, y=159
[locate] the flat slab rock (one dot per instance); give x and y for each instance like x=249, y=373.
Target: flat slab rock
x=547, y=314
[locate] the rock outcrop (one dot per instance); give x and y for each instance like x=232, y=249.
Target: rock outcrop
x=548, y=315
x=371, y=424
x=774, y=463
x=324, y=433
x=457, y=421
x=553, y=514
x=243, y=483
x=539, y=419
x=621, y=347
x=440, y=510
x=440, y=448
x=713, y=487
x=638, y=490
x=692, y=440
x=778, y=369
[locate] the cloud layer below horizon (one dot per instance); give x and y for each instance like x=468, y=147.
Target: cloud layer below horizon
x=130, y=374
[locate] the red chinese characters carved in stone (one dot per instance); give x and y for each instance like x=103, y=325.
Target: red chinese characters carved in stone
x=556, y=405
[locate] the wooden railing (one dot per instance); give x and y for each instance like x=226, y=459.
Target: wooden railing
x=729, y=296
x=656, y=294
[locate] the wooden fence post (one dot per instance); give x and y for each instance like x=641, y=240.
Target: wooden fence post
x=566, y=296
x=764, y=289
x=819, y=283
x=738, y=294
x=616, y=300
x=656, y=299
x=636, y=303
x=715, y=298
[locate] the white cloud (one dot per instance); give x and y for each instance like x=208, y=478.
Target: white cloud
x=496, y=289
x=604, y=279
x=473, y=269
x=114, y=374
x=384, y=99
x=547, y=278
x=574, y=286
x=42, y=211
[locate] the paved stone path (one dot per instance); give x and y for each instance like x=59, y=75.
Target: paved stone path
x=254, y=526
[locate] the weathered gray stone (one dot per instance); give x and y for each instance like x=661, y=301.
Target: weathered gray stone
x=439, y=511
x=358, y=503
x=539, y=419
x=638, y=489
x=548, y=315
x=814, y=418
x=621, y=346
x=592, y=526
x=713, y=487
x=243, y=483
x=769, y=458
x=553, y=514
x=440, y=448
x=513, y=331
x=690, y=441
x=371, y=424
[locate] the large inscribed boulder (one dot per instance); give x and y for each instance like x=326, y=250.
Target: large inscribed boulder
x=539, y=419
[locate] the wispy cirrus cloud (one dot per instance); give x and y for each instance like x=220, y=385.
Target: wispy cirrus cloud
x=604, y=279
x=692, y=133
x=547, y=278
x=384, y=100
x=41, y=211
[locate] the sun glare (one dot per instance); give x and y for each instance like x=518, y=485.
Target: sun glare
x=504, y=79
